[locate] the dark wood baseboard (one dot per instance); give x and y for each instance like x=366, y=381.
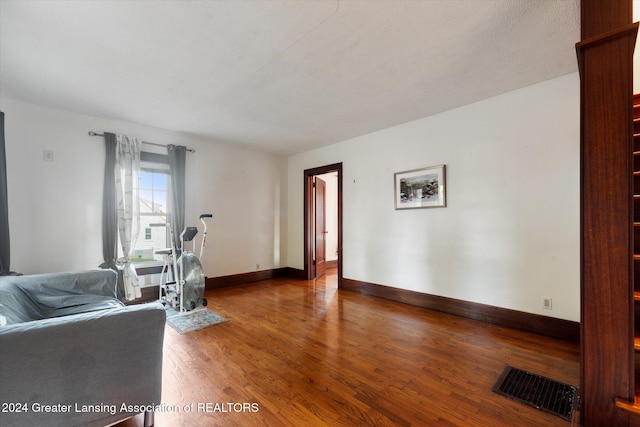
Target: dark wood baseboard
x=150, y=293
x=242, y=278
x=544, y=325
x=295, y=273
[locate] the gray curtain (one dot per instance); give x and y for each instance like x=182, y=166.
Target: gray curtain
x=109, y=209
x=5, y=247
x=109, y=212
x=177, y=156
x=119, y=150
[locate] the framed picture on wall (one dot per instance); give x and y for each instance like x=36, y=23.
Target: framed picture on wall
x=420, y=188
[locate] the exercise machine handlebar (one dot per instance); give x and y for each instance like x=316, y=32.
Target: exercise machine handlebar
x=204, y=232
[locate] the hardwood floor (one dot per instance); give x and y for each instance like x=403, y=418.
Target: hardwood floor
x=302, y=353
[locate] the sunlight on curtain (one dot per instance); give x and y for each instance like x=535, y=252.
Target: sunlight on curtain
x=127, y=179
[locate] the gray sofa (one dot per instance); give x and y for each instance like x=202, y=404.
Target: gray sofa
x=71, y=354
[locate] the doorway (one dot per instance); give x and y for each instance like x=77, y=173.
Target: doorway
x=315, y=231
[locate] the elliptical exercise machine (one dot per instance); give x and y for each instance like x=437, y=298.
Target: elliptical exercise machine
x=183, y=289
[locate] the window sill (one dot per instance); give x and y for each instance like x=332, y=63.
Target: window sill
x=151, y=267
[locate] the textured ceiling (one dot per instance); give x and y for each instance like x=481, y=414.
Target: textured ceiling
x=280, y=76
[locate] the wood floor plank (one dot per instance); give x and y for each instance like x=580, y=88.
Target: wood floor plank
x=307, y=354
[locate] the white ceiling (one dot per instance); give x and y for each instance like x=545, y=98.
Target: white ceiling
x=279, y=76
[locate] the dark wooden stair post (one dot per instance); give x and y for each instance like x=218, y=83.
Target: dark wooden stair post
x=605, y=57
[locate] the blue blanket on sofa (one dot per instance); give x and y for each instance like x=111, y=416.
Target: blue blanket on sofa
x=43, y=296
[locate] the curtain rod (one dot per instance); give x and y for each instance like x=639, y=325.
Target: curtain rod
x=92, y=133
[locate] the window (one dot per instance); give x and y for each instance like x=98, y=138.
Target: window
x=154, y=190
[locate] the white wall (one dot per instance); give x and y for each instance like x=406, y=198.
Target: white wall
x=509, y=236
x=510, y=232
x=55, y=207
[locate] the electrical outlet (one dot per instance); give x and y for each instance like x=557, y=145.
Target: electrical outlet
x=47, y=155
x=547, y=303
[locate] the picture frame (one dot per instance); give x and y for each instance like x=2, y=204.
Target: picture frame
x=420, y=188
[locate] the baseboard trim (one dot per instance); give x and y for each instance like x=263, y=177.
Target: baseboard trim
x=295, y=273
x=150, y=293
x=242, y=278
x=332, y=264
x=544, y=325
x=535, y=323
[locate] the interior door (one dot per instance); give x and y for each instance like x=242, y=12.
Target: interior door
x=320, y=227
